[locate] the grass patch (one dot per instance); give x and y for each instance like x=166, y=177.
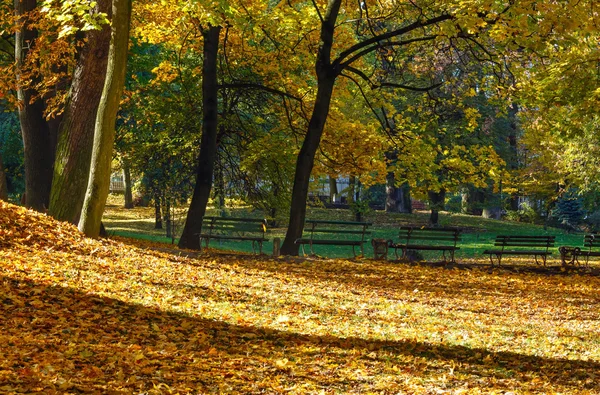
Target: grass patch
x=478, y=234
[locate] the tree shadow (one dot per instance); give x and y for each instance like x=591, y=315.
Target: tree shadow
x=58, y=340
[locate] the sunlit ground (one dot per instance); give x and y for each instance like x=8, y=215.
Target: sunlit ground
x=106, y=317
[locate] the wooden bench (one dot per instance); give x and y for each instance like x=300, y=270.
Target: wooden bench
x=570, y=255
x=319, y=232
x=427, y=239
x=229, y=228
x=538, y=246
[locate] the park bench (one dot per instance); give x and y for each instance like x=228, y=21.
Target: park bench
x=229, y=228
x=570, y=255
x=538, y=246
x=427, y=239
x=340, y=233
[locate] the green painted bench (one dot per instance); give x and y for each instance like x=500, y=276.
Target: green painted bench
x=427, y=239
x=230, y=228
x=340, y=233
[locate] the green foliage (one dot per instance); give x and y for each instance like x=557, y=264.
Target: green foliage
x=526, y=213
x=568, y=212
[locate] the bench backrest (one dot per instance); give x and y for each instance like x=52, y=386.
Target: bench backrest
x=319, y=228
x=591, y=240
x=421, y=235
x=524, y=241
x=234, y=226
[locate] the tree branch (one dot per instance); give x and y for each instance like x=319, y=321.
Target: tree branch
x=377, y=39
x=377, y=46
x=250, y=85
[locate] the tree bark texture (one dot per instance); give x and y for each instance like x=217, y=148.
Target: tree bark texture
x=38, y=144
x=326, y=75
x=104, y=130
x=76, y=133
x=208, y=143
x=3, y=185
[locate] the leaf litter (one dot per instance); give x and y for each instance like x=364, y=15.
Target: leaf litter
x=116, y=317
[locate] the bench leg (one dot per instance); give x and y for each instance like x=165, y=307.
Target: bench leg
x=542, y=259
x=498, y=258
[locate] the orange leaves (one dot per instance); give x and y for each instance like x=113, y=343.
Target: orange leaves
x=82, y=315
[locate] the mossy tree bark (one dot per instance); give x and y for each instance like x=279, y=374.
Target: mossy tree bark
x=208, y=143
x=76, y=133
x=104, y=131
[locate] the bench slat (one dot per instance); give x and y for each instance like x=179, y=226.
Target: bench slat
x=343, y=231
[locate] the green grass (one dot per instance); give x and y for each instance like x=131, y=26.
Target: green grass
x=478, y=233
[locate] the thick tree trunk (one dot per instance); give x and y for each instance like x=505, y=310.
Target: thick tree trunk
x=38, y=144
x=397, y=198
x=208, y=144
x=104, y=133
x=127, y=178
x=76, y=134
x=326, y=75
x=304, y=166
x=3, y=185
x=436, y=203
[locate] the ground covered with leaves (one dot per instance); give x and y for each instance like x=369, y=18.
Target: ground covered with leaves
x=81, y=316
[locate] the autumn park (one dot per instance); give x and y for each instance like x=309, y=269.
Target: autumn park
x=299, y=197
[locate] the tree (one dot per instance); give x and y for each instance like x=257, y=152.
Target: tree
x=76, y=134
x=208, y=144
x=104, y=130
x=39, y=139
x=409, y=34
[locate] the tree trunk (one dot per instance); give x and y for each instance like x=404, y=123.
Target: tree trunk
x=208, y=144
x=513, y=140
x=168, y=218
x=3, y=185
x=436, y=203
x=104, y=133
x=397, y=198
x=326, y=75
x=473, y=200
x=157, y=213
x=38, y=144
x=127, y=178
x=304, y=166
x=333, y=191
x=76, y=134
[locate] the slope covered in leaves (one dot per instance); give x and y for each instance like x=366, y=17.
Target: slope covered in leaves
x=84, y=316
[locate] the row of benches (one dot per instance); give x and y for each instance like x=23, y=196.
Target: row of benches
x=354, y=234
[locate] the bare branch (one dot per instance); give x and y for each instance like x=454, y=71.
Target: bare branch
x=360, y=47
x=249, y=85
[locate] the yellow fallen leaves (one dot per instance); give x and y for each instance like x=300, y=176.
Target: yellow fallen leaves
x=103, y=316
